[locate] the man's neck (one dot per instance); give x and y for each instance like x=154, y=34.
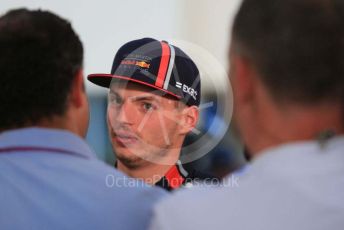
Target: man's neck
x=61, y=122
x=149, y=172
x=296, y=124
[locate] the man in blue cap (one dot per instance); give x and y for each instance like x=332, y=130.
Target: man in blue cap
x=154, y=94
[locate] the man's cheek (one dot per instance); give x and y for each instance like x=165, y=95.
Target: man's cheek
x=110, y=121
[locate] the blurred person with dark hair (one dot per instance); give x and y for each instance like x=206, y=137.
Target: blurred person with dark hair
x=287, y=73
x=50, y=178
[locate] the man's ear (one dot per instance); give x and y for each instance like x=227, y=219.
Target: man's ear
x=242, y=76
x=189, y=119
x=77, y=90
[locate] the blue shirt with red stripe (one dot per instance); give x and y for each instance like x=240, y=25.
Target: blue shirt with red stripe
x=50, y=179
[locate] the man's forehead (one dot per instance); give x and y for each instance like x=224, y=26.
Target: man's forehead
x=134, y=88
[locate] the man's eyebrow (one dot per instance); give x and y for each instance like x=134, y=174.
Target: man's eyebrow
x=114, y=92
x=144, y=98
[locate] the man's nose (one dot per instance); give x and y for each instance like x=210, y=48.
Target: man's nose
x=125, y=113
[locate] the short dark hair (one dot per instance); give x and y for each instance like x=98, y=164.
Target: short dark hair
x=40, y=54
x=297, y=46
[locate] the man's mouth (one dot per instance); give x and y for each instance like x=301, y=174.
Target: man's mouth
x=124, y=139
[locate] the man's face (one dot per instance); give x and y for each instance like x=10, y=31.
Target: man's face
x=85, y=118
x=142, y=125
x=246, y=99
x=79, y=106
x=242, y=116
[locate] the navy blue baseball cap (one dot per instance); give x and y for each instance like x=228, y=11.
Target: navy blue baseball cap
x=156, y=64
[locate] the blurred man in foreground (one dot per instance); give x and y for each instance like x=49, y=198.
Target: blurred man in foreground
x=287, y=71
x=50, y=178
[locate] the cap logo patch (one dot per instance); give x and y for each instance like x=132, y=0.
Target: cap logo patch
x=141, y=64
x=186, y=89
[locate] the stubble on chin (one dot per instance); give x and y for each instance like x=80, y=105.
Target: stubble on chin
x=132, y=162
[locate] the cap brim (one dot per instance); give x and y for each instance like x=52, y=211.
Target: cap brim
x=104, y=80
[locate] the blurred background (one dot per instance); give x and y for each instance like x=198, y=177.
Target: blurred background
x=200, y=27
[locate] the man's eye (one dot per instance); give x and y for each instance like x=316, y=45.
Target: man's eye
x=147, y=106
x=113, y=99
